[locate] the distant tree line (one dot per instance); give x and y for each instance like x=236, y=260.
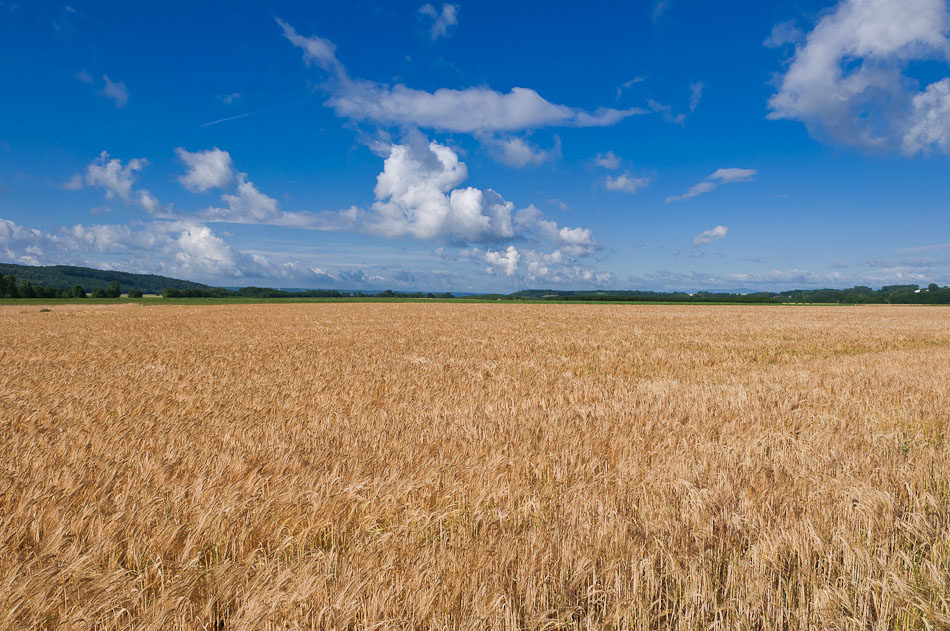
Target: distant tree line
x=888, y=294
x=65, y=277
x=264, y=292
x=656, y=296
x=11, y=288
x=932, y=294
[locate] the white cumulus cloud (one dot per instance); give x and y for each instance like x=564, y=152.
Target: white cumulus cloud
x=416, y=195
x=118, y=179
x=608, y=160
x=708, y=236
x=625, y=183
x=206, y=169
x=507, y=260
x=848, y=81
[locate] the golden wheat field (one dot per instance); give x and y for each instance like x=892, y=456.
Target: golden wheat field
x=474, y=466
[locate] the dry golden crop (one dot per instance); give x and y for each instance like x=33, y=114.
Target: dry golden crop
x=483, y=466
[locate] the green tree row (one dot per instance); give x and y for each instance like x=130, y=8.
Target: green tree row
x=264, y=292
x=10, y=288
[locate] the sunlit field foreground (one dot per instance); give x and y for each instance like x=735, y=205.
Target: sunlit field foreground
x=439, y=466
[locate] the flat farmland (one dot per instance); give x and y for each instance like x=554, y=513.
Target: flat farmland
x=474, y=466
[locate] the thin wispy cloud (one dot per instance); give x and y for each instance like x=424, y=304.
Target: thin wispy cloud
x=695, y=95
x=783, y=34
x=926, y=248
x=228, y=99
x=116, y=91
x=441, y=20
x=718, y=177
x=470, y=110
x=256, y=112
x=626, y=85
x=518, y=152
x=73, y=184
x=659, y=8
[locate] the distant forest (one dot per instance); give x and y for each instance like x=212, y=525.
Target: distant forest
x=64, y=281
x=888, y=294
x=65, y=277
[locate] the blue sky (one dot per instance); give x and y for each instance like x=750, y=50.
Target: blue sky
x=480, y=146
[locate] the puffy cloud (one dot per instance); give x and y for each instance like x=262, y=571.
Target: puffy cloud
x=847, y=81
x=188, y=249
x=572, y=242
x=201, y=251
x=440, y=21
x=419, y=193
x=118, y=180
x=246, y=204
x=178, y=248
x=719, y=176
x=20, y=244
x=708, y=236
x=929, y=125
x=607, y=160
x=115, y=91
x=112, y=176
x=532, y=266
x=576, y=241
x=206, y=169
x=476, y=109
x=416, y=195
x=507, y=260
x=555, y=268
x=149, y=203
x=517, y=152
x=250, y=204
x=625, y=184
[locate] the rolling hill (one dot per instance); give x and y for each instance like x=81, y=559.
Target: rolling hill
x=66, y=276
